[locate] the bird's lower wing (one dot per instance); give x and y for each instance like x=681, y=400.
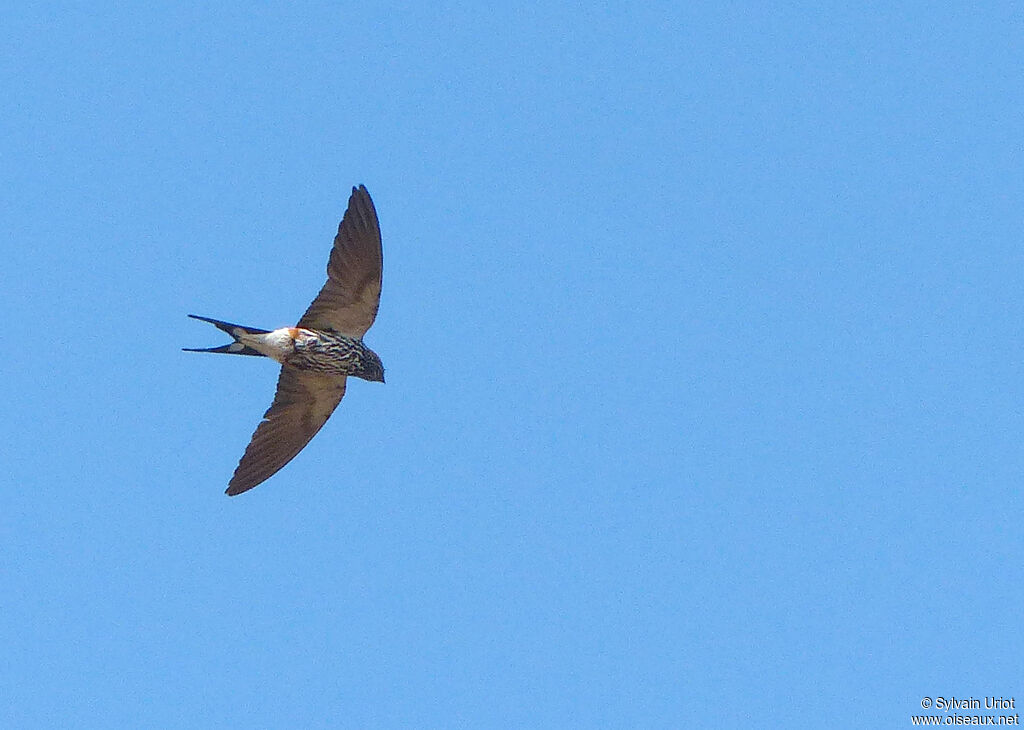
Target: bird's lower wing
x=303, y=403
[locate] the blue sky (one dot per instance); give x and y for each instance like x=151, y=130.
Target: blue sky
x=702, y=326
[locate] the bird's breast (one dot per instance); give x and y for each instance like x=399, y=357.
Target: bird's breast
x=326, y=353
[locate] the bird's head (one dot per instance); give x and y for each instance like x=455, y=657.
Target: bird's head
x=372, y=368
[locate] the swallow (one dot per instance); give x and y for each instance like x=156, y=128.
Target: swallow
x=319, y=353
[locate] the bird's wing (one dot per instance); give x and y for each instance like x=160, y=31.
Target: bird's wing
x=303, y=403
x=347, y=303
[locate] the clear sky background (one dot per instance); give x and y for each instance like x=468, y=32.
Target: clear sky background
x=703, y=332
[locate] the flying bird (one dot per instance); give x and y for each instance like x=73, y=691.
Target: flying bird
x=319, y=353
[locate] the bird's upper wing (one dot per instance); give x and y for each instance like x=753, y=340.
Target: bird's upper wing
x=303, y=403
x=347, y=303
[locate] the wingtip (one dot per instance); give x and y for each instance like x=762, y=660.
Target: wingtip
x=234, y=490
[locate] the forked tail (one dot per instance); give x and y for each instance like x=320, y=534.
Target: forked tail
x=236, y=347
